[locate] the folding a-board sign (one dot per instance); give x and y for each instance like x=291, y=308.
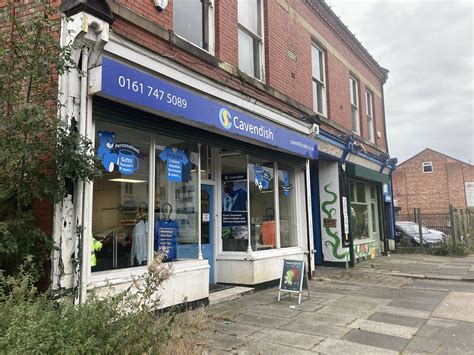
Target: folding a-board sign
x=291, y=279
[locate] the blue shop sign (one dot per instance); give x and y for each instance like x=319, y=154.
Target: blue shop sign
x=122, y=82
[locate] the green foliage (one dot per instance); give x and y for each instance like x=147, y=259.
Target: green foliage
x=447, y=249
x=39, y=154
x=120, y=323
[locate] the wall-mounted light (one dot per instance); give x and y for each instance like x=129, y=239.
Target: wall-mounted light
x=160, y=4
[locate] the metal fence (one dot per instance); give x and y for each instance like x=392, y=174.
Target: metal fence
x=456, y=224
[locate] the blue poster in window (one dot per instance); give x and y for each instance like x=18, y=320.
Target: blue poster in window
x=285, y=182
x=166, y=236
x=178, y=165
x=262, y=177
x=124, y=156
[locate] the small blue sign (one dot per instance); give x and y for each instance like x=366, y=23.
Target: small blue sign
x=124, y=83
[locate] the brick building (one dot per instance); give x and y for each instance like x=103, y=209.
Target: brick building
x=233, y=134
x=432, y=181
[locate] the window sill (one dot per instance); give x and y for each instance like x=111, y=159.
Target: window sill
x=258, y=255
x=115, y=277
x=364, y=241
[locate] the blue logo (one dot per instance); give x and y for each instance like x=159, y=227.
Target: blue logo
x=225, y=118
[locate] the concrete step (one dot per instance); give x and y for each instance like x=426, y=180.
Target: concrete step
x=228, y=294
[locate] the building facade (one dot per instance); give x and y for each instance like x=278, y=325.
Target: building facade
x=231, y=134
x=432, y=181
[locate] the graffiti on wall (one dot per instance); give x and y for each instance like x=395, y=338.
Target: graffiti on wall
x=334, y=240
x=364, y=251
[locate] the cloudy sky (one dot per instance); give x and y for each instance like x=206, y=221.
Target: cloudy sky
x=428, y=47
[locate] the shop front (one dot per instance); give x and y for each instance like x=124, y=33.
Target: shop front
x=220, y=190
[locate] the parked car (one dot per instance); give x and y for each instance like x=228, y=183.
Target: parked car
x=407, y=234
x=437, y=232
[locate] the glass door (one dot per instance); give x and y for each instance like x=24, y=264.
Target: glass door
x=207, y=227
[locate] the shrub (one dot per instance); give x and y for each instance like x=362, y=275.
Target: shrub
x=446, y=249
x=120, y=323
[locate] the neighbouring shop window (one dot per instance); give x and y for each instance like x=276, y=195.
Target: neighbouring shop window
x=235, y=231
x=176, y=198
x=120, y=199
x=287, y=205
x=191, y=21
x=262, y=204
x=250, y=37
x=364, y=210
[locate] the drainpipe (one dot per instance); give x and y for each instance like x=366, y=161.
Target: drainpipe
x=81, y=247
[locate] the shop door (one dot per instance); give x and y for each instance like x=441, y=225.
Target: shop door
x=207, y=227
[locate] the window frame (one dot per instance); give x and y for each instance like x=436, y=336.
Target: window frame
x=257, y=42
x=354, y=101
x=320, y=85
x=369, y=104
x=427, y=164
x=208, y=28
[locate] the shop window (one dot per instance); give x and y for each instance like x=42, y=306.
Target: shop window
x=250, y=35
x=176, y=198
x=364, y=210
x=354, y=92
x=120, y=214
x=235, y=228
x=287, y=206
x=263, y=229
x=191, y=20
x=206, y=162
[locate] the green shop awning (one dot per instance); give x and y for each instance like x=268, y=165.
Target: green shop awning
x=366, y=174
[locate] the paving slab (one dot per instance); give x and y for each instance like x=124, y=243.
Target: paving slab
x=262, y=320
x=397, y=319
x=226, y=342
x=310, y=326
x=384, y=328
x=276, y=310
x=343, y=304
x=337, y=347
x=421, y=344
x=289, y=338
x=376, y=339
x=455, y=306
x=404, y=312
x=262, y=347
x=361, y=314
x=234, y=328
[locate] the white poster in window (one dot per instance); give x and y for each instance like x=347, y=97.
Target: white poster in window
x=470, y=193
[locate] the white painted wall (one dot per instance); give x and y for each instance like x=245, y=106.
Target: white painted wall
x=331, y=237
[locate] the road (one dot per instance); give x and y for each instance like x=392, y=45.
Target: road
x=392, y=305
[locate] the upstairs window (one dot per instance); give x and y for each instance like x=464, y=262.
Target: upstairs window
x=191, y=21
x=354, y=90
x=251, y=37
x=427, y=167
x=319, y=80
x=370, y=116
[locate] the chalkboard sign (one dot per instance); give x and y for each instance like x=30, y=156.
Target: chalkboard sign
x=291, y=279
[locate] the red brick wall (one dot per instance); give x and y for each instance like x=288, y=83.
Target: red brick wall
x=282, y=32
x=432, y=192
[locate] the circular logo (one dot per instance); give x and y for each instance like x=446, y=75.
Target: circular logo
x=225, y=118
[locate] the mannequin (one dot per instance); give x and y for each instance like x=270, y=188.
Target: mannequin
x=139, y=237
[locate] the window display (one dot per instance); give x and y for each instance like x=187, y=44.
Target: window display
x=176, y=198
x=235, y=232
x=120, y=198
x=262, y=204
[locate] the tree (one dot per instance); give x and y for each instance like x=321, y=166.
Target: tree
x=39, y=154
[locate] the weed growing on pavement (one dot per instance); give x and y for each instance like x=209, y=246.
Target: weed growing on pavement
x=120, y=323
x=460, y=249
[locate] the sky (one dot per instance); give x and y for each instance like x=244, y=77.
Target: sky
x=427, y=46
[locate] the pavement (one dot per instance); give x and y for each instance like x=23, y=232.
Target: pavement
x=391, y=305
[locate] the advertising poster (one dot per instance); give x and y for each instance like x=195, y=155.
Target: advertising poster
x=292, y=276
x=234, y=206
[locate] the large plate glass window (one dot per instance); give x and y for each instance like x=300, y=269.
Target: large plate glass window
x=176, y=198
x=359, y=211
x=250, y=37
x=235, y=229
x=319, y=86
x=191, y=20
x=120, y=199
x=262, y=204
x=287, y=206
